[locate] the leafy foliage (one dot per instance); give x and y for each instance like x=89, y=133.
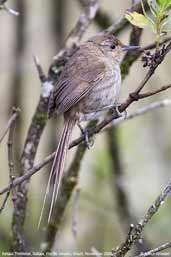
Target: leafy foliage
x=157, y=20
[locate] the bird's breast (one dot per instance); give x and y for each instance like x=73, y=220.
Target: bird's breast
x=104, y=95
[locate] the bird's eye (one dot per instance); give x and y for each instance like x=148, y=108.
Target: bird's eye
x=113, y=46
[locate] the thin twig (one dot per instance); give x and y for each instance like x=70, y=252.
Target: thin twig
x=135, y=232
x=155, y=250
x=116, y=27
x=10, y=147
x=7, y=9
x=49, y=158
x=83, y=22
x=147, y=108
x=40, y=71
x=153, y=45
x=74, y=37
x=102, y=18
x=9, y=124
x=4, y=201
x=29, y=173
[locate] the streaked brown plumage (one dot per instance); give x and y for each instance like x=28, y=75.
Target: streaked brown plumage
x=88, y=85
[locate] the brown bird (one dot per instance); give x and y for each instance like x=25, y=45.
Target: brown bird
x=88, y=86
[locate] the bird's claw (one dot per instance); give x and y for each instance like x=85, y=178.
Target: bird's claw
x=89, y=142
x=118, y=113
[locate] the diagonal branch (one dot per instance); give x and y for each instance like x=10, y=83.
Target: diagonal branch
x=135, y=231
x=154, y=92
x=49, y=158
x=155, y=250
x=15, y=113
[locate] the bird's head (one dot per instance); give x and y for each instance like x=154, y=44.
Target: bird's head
x=112, y=46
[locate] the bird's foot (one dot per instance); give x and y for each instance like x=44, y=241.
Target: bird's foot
x=116, y=111
x=89, y=142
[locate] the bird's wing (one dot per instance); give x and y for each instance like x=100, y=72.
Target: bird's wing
x=83, y=71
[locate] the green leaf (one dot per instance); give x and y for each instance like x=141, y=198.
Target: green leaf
x=139, y=20
x=164, y=4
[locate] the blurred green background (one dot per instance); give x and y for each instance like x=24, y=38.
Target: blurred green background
x=143, y=144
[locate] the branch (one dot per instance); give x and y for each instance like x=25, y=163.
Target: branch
x=11, y=126
x=135, y=231
x=143, y=110
x=102, y=18
x=83, y=22
x=10, y=147
x=10, y=123
x=153, y=45
x=155, y=250
x=73, y=38
x=117, y=27
x=141, y=96
x=49, y=158
x=7, y=9
x=39, y=68
x=4, y=201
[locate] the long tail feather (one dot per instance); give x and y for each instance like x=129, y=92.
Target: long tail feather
x=58, y=166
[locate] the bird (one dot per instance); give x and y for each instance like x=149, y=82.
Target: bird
x=88, y=87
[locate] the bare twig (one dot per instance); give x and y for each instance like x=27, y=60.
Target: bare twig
x=116, y=27
x=143, y=110
x=7, y=9
x=49, y=158
x=9, y=124
x=153, y=45
x=29, y=173
x=40, y=71
x=135, y=231
x=83, y=22
x=141, y=96
x=10, y=148
x=4, y=201
x=155, y=250
x=74, y=37
x=102, y=17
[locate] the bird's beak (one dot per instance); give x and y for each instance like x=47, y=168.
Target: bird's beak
x=129, y=48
